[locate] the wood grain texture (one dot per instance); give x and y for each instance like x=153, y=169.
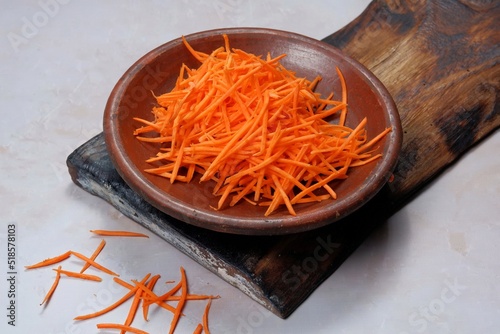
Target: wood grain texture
x=439, y=60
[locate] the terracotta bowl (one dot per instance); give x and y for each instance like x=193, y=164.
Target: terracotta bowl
x=191, y=203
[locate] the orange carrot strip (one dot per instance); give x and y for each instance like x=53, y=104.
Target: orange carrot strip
x=94, y=255
x=152, y=296
x=181, y=303
x=166, y=295
x=111, y=307
x=198, y=329
x=192, y=297
x=151, y=284
x=192, y=51
x=205, y=317
x=123, y=283
x=78, y=275
x=119, y=233
x=93, y=263
x=344, y=96
x=133, y=308
x=121, y=327
x=52, y=288
x=50, y=261
x=152, y=299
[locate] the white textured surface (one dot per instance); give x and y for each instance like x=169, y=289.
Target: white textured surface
x=433, y=268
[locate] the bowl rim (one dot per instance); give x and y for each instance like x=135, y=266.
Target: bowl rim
x=210, y=219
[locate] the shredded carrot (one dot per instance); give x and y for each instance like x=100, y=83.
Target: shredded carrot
x=198, y=329
x=123, y=283
x=259, y=132
x=205, y=317
x=166, y=295
x=122, y=300
x=52, y=288
x=119, y=233
x=123, y=328
x=149, y=296
x=93, y=263
x=49, y=261
x=94, y=255
x=181, y=303
x=78, y=275
x=191, y=297
x=151, y=284
x=133, y=308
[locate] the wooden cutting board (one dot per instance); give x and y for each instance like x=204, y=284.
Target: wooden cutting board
x=440, y=60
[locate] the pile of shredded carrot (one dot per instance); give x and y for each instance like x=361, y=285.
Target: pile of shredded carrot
x=256, y=129
x=141, y=292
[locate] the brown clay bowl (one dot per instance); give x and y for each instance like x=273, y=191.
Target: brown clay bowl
x=191, y=203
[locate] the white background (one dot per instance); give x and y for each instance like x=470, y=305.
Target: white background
x=432, y=268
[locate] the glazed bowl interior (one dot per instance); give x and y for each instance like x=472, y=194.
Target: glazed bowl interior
x=156, y=72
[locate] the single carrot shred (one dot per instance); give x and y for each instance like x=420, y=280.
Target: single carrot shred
x=250, y=125
x=94, y=255
x=198, y=329
x=93, y=263
x=123, y=328
x=122, y=300
x=119, y=233
x=52, y=288
x=50, y=261
x=151, y=284
x=192, y=297
x=181, y=303
x=134, y=307
x=205, y=317
x=78, y=275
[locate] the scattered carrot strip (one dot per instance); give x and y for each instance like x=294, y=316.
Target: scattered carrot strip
x=151, y=284
x=257, y=130
x=192, y=297
x=94, y=255
x=93, y=263
x=126, y=297
x=121, y=327
x=142, y=291
x=198, y=329
x=123, y=283
x=78, y=275
x=205, y=317
x=133, y=308
x=119, y=233
x=52, y=288
x=181, y=303
x=166, y=295
x=50, y=261
x=147, y=301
